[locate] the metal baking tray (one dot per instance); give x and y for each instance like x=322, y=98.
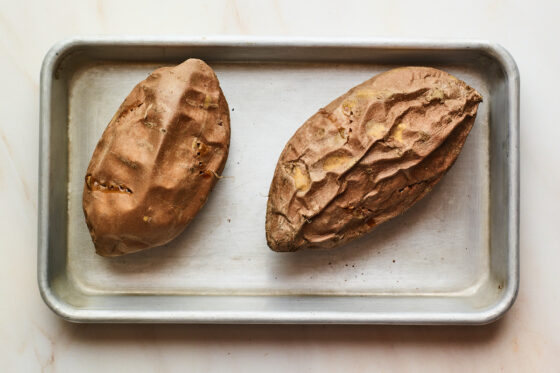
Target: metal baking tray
x=451, y=259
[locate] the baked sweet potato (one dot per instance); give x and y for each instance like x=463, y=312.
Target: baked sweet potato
x=367, y=156
x=158, y=159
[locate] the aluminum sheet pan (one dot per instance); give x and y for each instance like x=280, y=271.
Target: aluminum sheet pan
x=452, y=258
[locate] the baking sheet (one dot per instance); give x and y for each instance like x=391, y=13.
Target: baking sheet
x=449, y=259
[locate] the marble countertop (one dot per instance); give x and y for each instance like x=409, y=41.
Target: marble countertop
x=32, y=338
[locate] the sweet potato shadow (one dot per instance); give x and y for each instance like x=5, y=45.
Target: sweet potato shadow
x=375, y=243
x=160, y=258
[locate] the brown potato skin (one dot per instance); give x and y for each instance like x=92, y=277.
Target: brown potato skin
x=157, y=160
x=367, y=157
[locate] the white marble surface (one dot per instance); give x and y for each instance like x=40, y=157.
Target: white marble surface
x=527, y=339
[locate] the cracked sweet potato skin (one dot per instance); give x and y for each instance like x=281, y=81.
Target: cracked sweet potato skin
x=367, y=157
x=157, y=160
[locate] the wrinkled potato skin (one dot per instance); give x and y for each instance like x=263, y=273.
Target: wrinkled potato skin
x=158, y=159
x=367, y=156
